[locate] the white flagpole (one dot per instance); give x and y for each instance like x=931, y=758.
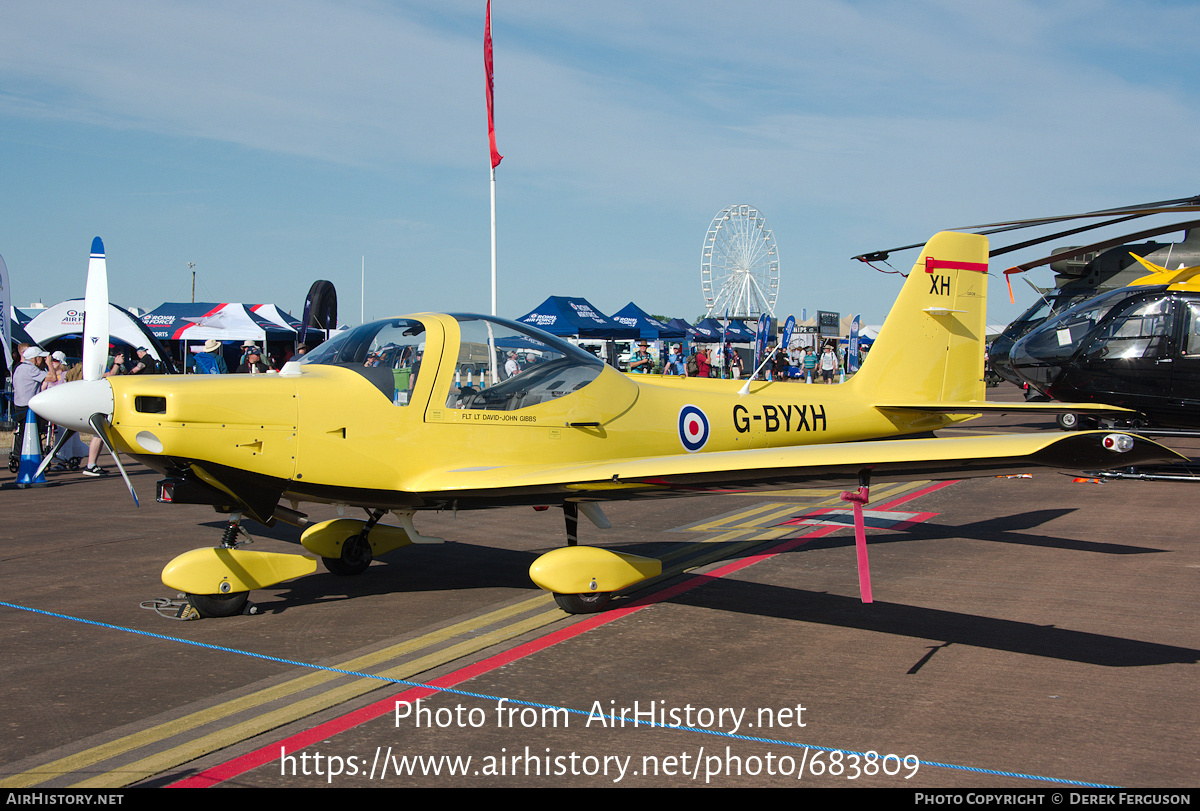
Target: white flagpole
x=493, y=240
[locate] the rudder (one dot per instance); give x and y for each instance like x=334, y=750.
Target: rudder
x=930, y=348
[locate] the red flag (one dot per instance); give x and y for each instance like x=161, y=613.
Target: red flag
x=487, y=67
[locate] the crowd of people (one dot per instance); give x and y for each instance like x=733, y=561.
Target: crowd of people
x=34, y=370
x=799, y=363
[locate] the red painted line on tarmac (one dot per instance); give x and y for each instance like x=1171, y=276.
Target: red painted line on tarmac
x=252, y=760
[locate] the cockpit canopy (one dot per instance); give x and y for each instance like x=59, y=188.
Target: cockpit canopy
x=497, y=365
x=1130, y=322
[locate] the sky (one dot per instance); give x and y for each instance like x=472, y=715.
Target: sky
x=271, y=144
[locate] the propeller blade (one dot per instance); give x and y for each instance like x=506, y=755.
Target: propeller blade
x=58, y=446
x=100, y=425
x=95, y=315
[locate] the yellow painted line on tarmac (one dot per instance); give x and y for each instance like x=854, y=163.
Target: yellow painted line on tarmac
x=799, y=492
x=725, y=521
x=229, y=736
x=111, y=749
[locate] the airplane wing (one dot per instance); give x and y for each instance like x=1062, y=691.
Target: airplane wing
x=977, y=407
x=885, y=460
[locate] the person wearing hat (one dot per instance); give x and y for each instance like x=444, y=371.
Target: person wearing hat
x=56, y=370
x=145, y=363
x=676, y=363
x=641, y=362
x=253, y=364
x=209, y=360
x=511, y=367
x=27, y=380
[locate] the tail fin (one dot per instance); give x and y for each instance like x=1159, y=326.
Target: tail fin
x=1185, y=278
x=930, y=348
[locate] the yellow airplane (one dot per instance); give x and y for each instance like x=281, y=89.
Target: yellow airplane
x=463, y=412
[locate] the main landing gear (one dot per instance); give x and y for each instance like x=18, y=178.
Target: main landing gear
x=217, y=581
x=356, y=553
x=584, y=578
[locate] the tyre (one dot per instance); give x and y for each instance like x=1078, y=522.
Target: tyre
x=219, y=605
x=356, y=557
x=1068, y=421
x=583, y=603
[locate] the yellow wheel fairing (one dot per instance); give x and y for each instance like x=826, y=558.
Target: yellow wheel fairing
x=218, y=570
x=326, y=538
x=587, y=569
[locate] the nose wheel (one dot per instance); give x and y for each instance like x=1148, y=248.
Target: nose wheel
x=219, y=605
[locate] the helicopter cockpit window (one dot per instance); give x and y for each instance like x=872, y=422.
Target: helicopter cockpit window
x=502, y=366
x=1060, y=337
x=1144, y=331
x=388, y=353
x=1191, y=335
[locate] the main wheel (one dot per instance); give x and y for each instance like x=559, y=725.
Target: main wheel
x=355, y=558
x=583, y=603
x=219, y=605
x=1068, y=421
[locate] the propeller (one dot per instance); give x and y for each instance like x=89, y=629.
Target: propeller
x=101, y=426
x=88, y=403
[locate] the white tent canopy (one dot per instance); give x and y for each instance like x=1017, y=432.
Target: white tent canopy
x=66, y=319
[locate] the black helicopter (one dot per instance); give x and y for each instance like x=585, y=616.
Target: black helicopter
x=1095, y=338
x=1137, y=347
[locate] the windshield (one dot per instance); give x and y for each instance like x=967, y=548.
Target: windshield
x=504, y=366
x=1061, y=337
x=388, y=353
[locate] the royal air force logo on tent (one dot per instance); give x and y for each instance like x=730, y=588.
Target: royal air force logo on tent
x=693, y=428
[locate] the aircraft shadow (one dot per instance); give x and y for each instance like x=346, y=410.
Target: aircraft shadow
x=414, y=570
x=949, y=627
x=1004, y=529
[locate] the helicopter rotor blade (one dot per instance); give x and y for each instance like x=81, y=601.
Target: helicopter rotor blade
x=1070, y=253
x=1182, y=204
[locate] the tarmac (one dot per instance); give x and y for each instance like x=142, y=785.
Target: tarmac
x=1031, y=633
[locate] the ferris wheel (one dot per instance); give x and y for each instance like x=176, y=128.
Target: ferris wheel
x=739, y=264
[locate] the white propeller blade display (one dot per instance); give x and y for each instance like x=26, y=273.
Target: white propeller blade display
x=95, y=318
x=86, y=405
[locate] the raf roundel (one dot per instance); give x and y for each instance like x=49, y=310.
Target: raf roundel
x=693, y=428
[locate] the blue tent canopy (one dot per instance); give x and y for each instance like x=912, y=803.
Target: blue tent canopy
x=649, y=328
x=735, y=333
x=561, y=315
x=680, y=324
